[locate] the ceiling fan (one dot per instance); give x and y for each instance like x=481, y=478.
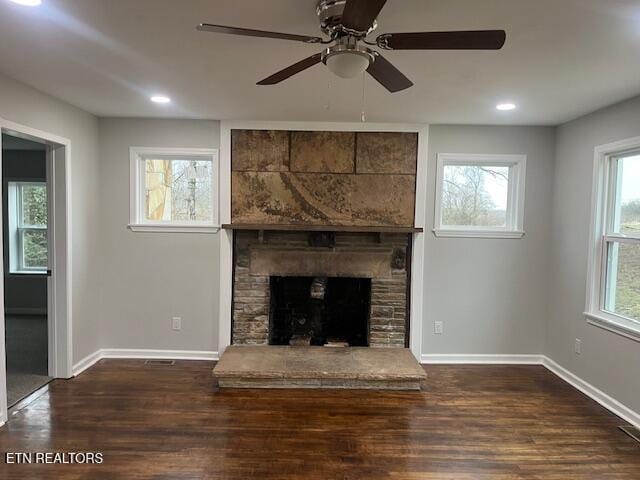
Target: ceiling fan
x=347, y=23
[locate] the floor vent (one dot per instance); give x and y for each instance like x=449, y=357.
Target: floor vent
x=160, y=362
x=633, y=432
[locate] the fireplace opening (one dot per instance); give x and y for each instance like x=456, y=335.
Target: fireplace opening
x=319, y=311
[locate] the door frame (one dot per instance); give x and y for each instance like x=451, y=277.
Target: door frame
x=59, y=283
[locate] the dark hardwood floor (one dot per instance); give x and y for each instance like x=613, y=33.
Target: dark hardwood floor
x=169, y=422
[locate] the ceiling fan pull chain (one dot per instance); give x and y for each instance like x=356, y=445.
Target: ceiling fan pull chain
x=363, y=117
x=327, y=104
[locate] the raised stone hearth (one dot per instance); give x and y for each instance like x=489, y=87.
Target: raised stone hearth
x=319, y=367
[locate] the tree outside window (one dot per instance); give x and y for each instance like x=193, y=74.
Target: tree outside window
x=28, y=227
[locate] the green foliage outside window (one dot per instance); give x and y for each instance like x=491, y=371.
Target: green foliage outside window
x=33, y=225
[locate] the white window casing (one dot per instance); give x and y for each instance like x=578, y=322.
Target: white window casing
x=137, y=219
x=18, y=229
x=514, y=225
x=602, y=237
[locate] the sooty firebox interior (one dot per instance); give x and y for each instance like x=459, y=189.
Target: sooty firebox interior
x=319, y=311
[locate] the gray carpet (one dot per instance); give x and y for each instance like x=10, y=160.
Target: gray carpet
x=26, y=344
x=20, y=385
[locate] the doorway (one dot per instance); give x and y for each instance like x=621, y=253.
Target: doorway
x=30, y=242
x=25, y=200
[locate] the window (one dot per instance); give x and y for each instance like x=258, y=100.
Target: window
x=613, y=292
x=28, y=243
x=480, y=196
x=174, y=190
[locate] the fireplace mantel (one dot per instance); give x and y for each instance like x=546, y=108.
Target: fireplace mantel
x=322, y=228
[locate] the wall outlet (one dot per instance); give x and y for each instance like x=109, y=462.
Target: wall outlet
x=578, y=346
x=176, y=324
x=438, y=327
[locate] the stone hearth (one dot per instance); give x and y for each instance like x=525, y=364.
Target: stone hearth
x=319, y=367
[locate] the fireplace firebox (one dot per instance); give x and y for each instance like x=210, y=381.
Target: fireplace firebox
x=319, y=311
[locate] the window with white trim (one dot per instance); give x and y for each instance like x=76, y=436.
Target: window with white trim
x=480, y=195
x=613, y=296
x=28, y=243
x=174, y=189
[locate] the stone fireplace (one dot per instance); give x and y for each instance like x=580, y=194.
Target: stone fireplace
x=335, y=288
x=322, y=234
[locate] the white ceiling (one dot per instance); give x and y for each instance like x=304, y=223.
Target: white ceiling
x=563, y=58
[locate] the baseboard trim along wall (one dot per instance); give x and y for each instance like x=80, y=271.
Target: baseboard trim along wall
x=608, y=402
x=482, y=359
x=86, y=362
x=123, y=353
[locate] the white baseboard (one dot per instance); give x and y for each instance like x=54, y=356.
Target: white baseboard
x=594, y=393
x=159, y=354
x=482, y=359
x=123, y=353
x=86, y=362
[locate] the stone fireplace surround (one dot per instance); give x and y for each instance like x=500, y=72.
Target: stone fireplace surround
x=382, y=257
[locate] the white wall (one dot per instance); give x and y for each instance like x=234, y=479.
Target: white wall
x=608, y=361
x=147, y=278
x=29, y=107
x=491, y=294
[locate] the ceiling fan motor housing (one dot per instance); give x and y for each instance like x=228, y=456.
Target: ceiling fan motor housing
x=330, y=14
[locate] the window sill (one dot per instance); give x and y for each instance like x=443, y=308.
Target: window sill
x=174, y=228
x=620, y=326
x=478, y=233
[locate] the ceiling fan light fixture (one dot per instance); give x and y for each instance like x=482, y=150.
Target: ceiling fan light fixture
x=347, y=64
x=348, y=59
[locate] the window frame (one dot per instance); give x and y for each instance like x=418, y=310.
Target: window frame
x=137, y=220
x=604, y=197
x=17, y=229
x=514, y=227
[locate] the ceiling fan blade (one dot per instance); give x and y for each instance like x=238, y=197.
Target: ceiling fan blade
x=469, y=40
x=292, y=70
x=389, y=76
x=247, y=32
x=359, y=15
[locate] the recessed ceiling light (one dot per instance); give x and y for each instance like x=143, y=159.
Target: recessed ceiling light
x=28, y=3
x=160, y=99
x=505, y=107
